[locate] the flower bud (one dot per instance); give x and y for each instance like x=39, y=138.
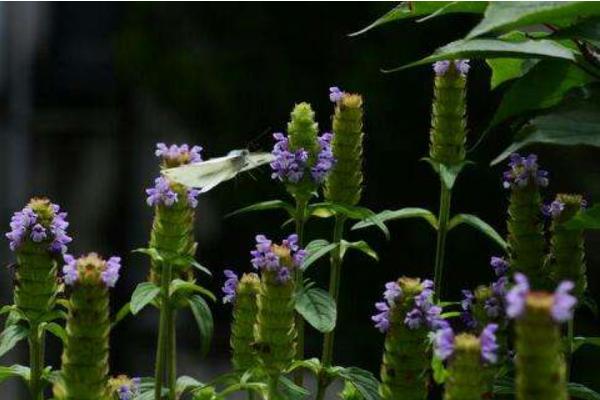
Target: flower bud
x=448, y=118
x=567, y=245
x=344, y=183
x=85, y=354
x=124, y=388
x=38, y=237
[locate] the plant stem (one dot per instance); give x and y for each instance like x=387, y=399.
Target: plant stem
x=162, y=345
x=569, y=356
x=272, y=393
x=300, y=220
x=172, y=354
x=443, y=217
x=36, y=356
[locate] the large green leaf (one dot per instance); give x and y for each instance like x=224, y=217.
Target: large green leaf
x=290, y=390
x=11, y=336
x=315, y=250
x=317, y=307
x=587, y=30
x=361, y=246
x=504, y=15
x=263, y=206
x=403, y=213
x=143, y=295
x=412, y=9
x=14, y=370
x=544, y=86
x=506, y=69
x=586, y=219
x=580, y=391
x=495, y=48
x=364, y=381
x=581, y=340
x=479, y=224
x=57, y=331
x=182, y=288
x=575, y=122
x=328, y=209
x=204, y=320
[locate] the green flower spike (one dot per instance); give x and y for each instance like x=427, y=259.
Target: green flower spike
x=405, y=357
x=244, y=318
x=85, y=355
x=448, y=123
x=567, y=245
x=344, y=182
x=527, y=245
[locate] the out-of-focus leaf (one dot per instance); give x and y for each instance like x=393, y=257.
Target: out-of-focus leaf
x=544, y=86
x=317, y=307
x=263, y=206
x=361, y=246
x=290, y=390
x=364, y=381
x=479, y=224
x=312, y=364
x=579, y=391
x=121, y=314
x=506, y=69
x=575, y=122
x=11, y=336
x=586, y=219
x=439, y=371
x=183, y=288
x=403, y=213
x=413, y=9
x=143, y=295
x=495, y=48
x=186, y=383
x=56, y=330
x=14, y=370
x=580, y=341
x=587, y=30
x=504, y=15
x=204, y=320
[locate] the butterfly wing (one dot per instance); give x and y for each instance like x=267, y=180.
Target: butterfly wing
x=205, y=174
x=254, y=160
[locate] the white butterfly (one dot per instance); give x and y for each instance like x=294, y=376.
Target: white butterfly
x=205, y=175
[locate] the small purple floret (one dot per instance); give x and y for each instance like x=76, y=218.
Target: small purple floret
x=444, y=343
x=500, y=265
x=70, y=273
x=176, y=152
x=564, y=302
x=441, y=67
x=230, y=287
x=335, y=94
x=161, y=193
x=553, y=209
x=489, y=346
x=110, y=275
x=523, y=172
x=515, y=298
x=382, y=317
x=129, y=391
x=264, y=259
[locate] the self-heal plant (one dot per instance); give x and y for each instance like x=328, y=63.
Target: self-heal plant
x=38, y=237
x=540, y=367
x=468, y=358
x=124, y=388
x=527, y=245
x=84, y=373
x=406, y=316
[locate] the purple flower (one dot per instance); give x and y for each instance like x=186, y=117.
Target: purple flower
x=25, y=224
x=414, y=319
x=553, y=209
x=70, y=273
x=443, y=344
x=161, y=193
x=441, y=67
x=325, y=160
x=283, y=275
x=128, y=391
x=58, y=228
x=288, y=166
x=493, y=307
x=335, y=94
x=264, y=256
x=499, y=287
x=230, y=287
x=38, y=233
x=182, y=153
x=192, y=197
x=515, y=298
x=110, y=275
x=392, y=292
x=489, y=347
x=382, y=317
x=500, y=265
x=523, y=172
x=564, y=302
x=467, y=301
x=468, y=319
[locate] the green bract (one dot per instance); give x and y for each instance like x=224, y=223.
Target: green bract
x=467, y=376
x=244, y=318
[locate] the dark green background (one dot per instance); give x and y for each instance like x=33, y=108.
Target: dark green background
x=87, y=89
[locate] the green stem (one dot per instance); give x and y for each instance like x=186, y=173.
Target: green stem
x=250, y=395
x=172, y=354
x=569, y=357
x=162, y=333
x=443, y=217
x=300, y=220
x=272, y=393
x=36, y=356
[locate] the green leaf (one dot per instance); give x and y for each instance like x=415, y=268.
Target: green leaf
x=151, y=252
x=580, y=341
x=544, y=86
x=588, y=30
x=122, y=313
x=506, y=69
x=439, y=371
x=504, y=16
x=575, y=122
x=494, y=48
x=204, y=320
x=449, y=173
x=364, y=381
x=328, y=209
x=11, y=336
x=580, y=391
x=403, y=213
x=14, y=371
x=585, y=219
x=290, y=390
x=412, y=9
x=179, y=285
x=361, y=246
x=312, y=364
x=504, y=385
x=315, y=250
x=56, y=330
x=317, y=307
x=479, y=224
x=263, y=206
x=184, y=261
x=143, y=295
x=186, y=383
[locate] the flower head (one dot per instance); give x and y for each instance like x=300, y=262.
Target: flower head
x=523, y=172
x=230, y=287
x=489, y=346
x=125, y=388
x=174, y=155
x=516, y=297
x=91, y=270
x=41, y=222
x=443, y=343
x=165, y=193
x=335, y=94
x=500, y=265
x=392, y=292
x=281, y=259
x=442, y=67
x=564, y=302
x=553, y=209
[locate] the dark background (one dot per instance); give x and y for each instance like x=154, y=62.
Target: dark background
x=86, y=90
